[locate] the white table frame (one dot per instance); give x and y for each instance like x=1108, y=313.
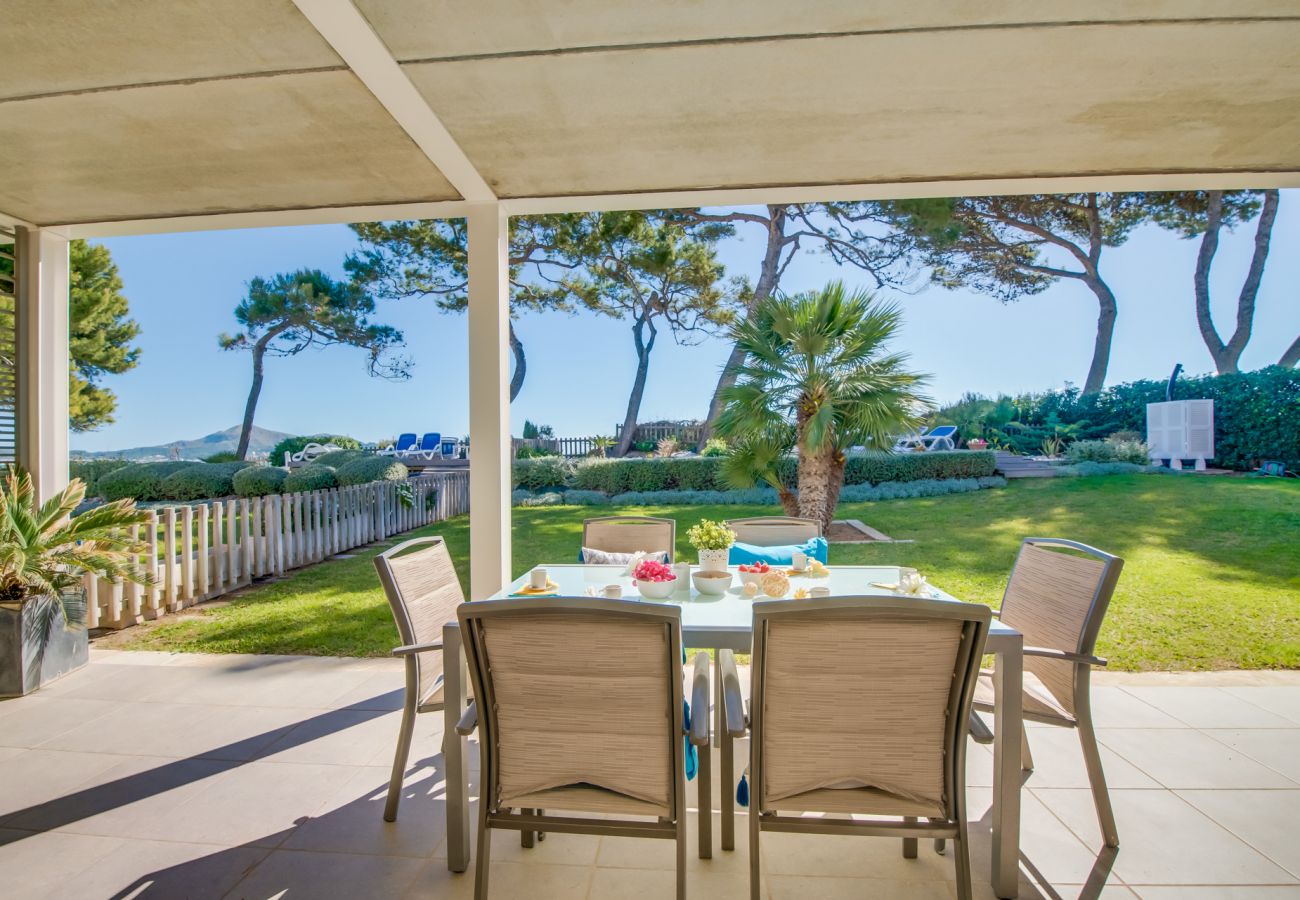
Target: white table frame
x=1005, y=643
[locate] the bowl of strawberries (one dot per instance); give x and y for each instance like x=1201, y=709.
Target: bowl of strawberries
x=752, y=573
x=654, y=580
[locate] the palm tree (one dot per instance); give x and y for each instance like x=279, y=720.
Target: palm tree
x=816, y=379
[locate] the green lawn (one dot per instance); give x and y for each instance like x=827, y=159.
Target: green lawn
x=1212, y=574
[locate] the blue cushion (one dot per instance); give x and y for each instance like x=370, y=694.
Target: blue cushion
x=783, y=555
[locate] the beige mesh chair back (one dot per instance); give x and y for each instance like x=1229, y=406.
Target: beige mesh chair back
x=774, y=531
x=860, y=706
x=1057, y=597
x=579, y=709
x=628, y=534
x=423, y=592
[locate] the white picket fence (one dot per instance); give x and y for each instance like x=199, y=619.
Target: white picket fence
x=204, y=550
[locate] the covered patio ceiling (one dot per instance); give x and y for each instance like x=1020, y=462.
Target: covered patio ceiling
x=166, y=115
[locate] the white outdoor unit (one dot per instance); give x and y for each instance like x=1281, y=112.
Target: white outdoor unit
x=1179, y=430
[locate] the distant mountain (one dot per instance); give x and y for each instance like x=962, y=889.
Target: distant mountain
x=260, y=442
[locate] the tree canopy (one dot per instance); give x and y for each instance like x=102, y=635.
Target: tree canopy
x=101, y=332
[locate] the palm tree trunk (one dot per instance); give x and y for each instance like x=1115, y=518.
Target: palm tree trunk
x=768, y=276
x=815, y=500
x=521, y=364
x=643, y=350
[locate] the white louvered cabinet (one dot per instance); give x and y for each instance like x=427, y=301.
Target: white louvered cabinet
x=1179, y=430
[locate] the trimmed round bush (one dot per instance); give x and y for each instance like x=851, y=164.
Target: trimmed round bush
x=141, y=481
x=258, y=481
x=371, y=468
x=202, y=481
x=312, y=478
x=296, y=443
x=91, y=470
x=542, y=473
x=336, y=459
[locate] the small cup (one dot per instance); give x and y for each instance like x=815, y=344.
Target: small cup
x=799, y=560
x=683, y=572
x=538, y=578
x=820, y=590
x=614, y=591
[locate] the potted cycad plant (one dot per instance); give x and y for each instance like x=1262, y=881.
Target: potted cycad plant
x=712, y=540
x=44, y=552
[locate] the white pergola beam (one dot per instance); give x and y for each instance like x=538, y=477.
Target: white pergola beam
x=43, y=352
x=489, y=399
x=350, y=34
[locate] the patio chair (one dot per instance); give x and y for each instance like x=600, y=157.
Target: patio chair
x=423, y=592
x=629, y=534
x=430, y=445
x=1057, y=597
x=774, y=531
x=405, y=444
x=906, y=442
x=859, y=707
x=579, y=707
x=941, y=437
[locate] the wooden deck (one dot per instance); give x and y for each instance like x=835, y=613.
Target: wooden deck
x=1013, y=466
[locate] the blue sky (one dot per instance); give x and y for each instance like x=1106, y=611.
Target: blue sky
x=184, y=287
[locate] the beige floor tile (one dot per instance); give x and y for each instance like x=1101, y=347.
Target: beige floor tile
x=1218, y=892
x=322, y=876
x=1048, y=848
x=506, y=879
x=802, y=887
x=979, y=765
x=27, y=722
x=1029, y=890
x=1208, y=707
x=36, y=864
x=337, y=737
x=627, y=884
x=1267, y=820
x=850, y=857
x=1189, y=759
x=129, y=798
x=1058, y=762
x=160, y=869
x=37, y=777
x=1166, y=841
x=1280, y=700
x=352, y=820
x=1113, y=707
x=1277, y=748
x=380, y=690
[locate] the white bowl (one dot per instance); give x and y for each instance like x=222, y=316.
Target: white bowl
x=751, y=577
x=712, y=582
x=656, y=590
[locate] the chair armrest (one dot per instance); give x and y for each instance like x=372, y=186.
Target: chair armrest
x=733, y=705
x=700, y=700
x=409, y=649
x=1064, y=656
x=469, y=721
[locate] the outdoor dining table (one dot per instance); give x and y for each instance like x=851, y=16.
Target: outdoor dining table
x=725, y=622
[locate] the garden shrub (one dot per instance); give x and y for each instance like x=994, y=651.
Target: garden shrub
x=140, y=481
x=877, y=468
x=1085, y=469
x=1109, y=451
x=295, y=444
x=928, y=487
x=542, y=472
x=371, y=468
x=757, y=496
x=225, y=456
x=338, y=458
x=714, y=447
x=311, y=478
x=202, y=481
x=258, y=481
x=91, y=470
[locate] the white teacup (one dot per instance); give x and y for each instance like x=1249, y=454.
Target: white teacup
x=614, y=591
x=538, y=578
x=820, y=590
x=799, y=560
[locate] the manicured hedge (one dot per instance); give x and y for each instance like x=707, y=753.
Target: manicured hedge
x=540, y=473
x=764, y=496
x=258, y=481
x=371, y=468
x=91, y=470
x=140, y=481
x=202, y=481
x=295, y=445
x=311, y=478
x=336, y=459
x=618, y=476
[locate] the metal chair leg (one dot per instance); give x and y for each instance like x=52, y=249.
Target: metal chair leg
x=909, y=844
x=961, y=859
x=400, y=757
x=481, y=864
x=1097, y=779
x=755, y=885
x=526, y=837
x=1026, y=757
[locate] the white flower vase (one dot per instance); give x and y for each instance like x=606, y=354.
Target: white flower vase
x=714, y=560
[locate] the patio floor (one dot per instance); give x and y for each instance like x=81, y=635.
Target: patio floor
x=159, y=775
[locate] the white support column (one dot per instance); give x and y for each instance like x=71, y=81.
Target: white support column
x=489, y=400
x=42, y=314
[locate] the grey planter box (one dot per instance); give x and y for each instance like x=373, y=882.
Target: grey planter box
x=36, y=647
